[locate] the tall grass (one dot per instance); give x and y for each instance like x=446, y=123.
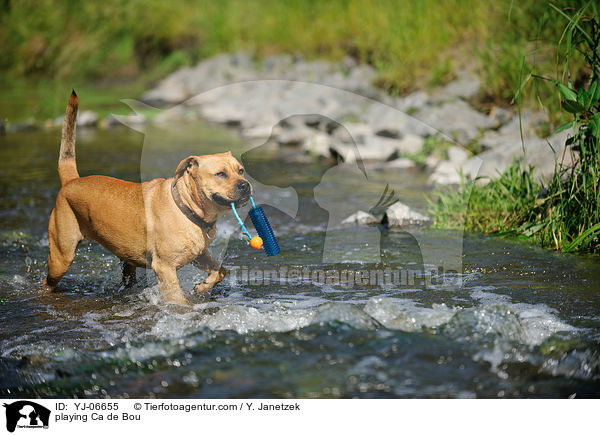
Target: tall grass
x=411, y=43
x=565, y=215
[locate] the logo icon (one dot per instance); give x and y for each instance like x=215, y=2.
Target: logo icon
x=26, y=414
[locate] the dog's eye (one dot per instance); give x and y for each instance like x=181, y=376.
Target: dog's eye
x=241, y=171
x=221, y=174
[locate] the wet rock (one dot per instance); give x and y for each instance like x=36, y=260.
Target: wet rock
x=361, y=218
x=87, y=119
x=401, y=215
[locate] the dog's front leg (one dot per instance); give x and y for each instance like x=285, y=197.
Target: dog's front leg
x=216, y=273
x=168, y=283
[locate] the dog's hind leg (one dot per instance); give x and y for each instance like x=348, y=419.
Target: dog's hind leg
x=129, y=276
x=216, y=273
x=63, y=237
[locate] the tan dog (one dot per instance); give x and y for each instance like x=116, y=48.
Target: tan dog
x=160, y=224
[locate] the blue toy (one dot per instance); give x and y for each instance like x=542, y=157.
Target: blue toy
x=266, y=237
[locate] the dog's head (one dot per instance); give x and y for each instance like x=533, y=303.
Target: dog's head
x=219, y=178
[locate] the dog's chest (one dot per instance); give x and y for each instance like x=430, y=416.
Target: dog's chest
x=192, y=245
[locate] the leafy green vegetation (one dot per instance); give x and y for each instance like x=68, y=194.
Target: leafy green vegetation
x=563, y=215
x=50, y=44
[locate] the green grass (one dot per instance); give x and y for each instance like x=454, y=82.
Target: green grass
x=411, y=43
x=497, y=207
x=567, y=215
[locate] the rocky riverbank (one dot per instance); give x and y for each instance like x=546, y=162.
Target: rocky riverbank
x=234, y=90
x=333, y=111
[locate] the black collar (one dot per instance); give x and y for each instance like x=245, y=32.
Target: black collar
x=188, y=211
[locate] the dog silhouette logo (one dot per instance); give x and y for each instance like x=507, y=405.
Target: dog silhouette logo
x=26, y=414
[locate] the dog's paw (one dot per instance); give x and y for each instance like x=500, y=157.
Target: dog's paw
x=47, y=288
x=203, y=287
x=179, y=301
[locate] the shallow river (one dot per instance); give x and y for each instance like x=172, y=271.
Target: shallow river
x=516, y=321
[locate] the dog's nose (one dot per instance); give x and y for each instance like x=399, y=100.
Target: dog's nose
x=243, y=186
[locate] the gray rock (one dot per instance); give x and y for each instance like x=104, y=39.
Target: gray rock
x=360, y=218
x=349, y=62
x=87, y=118
x=432, y=160
x=401, y=215
x=110, y=122
x=410, y=144
x=416, y=100
x=500, y=116
x=175, y=113
x=264, y=131
x=318, y=145
x=448, y=171
x=445, y=173
x=273, y=66
x=169, y=91
x=389, y=122
x=23, y=126
x=456, y=119
x=538, y=152
x=375, y=148
x=358, y=133
x=402, y=163
x=465, y=86
x=294, y=135
x=510, y=132
x=457, y=155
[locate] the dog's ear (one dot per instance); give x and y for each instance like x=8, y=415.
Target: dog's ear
x=188, y=162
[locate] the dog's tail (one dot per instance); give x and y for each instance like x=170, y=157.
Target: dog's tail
x=67, y=166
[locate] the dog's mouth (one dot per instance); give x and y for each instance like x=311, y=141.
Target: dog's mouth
x=226, y=202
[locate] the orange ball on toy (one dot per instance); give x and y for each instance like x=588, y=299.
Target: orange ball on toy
x=256, y=242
